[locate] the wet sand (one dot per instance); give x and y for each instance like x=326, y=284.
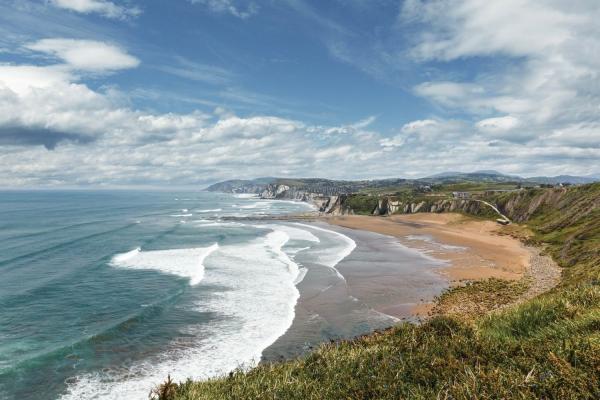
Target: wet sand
x=383, y=281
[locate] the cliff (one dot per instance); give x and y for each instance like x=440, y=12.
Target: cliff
x=318, y=194
x=516, y=204
x=390, y=205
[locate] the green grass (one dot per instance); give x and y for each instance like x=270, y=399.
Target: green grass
x=477, y=298
x=362, y=203
x=545, y=348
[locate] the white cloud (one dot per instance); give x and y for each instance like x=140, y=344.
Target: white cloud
x=102, y=7
x=498, y=124
x=357, y=128
x=546, y=56
x=415, y=126
x=22, y=78
x=229, y=7
x=389, y=143
x=511, y=27
x=86, y=55
x=448, y=93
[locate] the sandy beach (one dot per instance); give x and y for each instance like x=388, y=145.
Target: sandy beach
x=474, y=249
x=399, y=266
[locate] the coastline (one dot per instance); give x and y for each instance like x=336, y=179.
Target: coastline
x=474, y=250
x=374, y=287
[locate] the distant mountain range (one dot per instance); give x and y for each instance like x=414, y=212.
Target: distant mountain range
x=495, y=176
x=333, y=187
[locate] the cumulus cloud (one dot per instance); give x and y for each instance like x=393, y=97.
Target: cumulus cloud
x=546, y=83
x=55, y=130
x=20, y=78
x=103, y=7
x=229, y=7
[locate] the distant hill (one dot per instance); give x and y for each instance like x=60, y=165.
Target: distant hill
x=554, y=180
x=495, y=176
x=486, y=178
x=309, y=185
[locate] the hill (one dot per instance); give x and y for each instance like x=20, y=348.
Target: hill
x=547, y=347
x=473, y=181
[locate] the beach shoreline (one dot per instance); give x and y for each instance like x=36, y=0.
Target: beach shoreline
x=475, y=249
x=376, y=286
x=401, y=264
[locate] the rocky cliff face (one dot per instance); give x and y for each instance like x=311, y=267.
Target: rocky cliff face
x=328, y=204
x=388, y=206
x=519, y=206
x=333, y=205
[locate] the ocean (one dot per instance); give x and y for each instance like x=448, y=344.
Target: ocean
x=105, y=293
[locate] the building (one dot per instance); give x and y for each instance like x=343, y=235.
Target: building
x=461, y=195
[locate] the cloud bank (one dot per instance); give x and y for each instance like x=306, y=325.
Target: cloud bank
x=536, y=112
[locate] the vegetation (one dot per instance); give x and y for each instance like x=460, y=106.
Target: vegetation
x=362, y=203
x=547, y=347
x=475, y=299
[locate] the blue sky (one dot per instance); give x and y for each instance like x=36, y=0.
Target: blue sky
x=186, y=92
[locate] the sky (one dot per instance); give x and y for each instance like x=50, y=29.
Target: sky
x=183, y=93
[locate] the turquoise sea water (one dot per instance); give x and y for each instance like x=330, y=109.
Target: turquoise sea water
x=102, y=294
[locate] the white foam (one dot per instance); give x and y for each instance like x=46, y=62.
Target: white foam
x=208, y=211
x=181, y=215
x=257, y=308
x=332, y=258
x=259, y=204
x=245, y=195
x=120, y=258
x=182, y=262
x=293, y=233
x=301, y=274
x=296, y=250
x=203, y=223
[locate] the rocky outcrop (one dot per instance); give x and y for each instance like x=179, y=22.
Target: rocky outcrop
x=327, y=204
x=335, y=205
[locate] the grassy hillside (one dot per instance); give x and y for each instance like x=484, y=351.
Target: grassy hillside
x=548, y=347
